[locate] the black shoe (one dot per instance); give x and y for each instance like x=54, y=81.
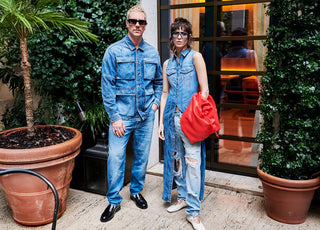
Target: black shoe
x=109, y=213
x=140, y=201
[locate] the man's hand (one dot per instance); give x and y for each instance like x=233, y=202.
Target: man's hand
x=118, y=128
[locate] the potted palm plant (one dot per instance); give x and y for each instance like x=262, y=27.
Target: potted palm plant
x=290, y=92
x=51, y=155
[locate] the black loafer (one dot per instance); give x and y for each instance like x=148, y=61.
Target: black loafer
x=109, y=213
x=139, y=200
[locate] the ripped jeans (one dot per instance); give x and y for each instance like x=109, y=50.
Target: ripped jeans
x=187, y=175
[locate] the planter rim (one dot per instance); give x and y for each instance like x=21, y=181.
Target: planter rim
x=287, y=182
x=36, y=155
x=41, y=165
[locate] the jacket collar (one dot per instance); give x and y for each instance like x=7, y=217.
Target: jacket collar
x=132, y=46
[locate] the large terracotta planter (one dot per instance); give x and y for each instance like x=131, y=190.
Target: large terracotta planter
x=287, y=201
x=31, y=201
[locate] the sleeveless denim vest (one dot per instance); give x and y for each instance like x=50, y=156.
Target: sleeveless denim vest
x=182, y=78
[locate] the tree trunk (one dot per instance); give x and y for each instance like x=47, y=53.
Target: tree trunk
x=26, y=66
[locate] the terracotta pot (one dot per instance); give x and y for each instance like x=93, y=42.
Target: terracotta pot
x=31, y=201
x=287, y=201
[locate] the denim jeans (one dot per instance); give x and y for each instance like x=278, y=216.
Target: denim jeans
x=187, y=173
x=142, y=134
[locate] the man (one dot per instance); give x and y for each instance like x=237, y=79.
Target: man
x=131, y=89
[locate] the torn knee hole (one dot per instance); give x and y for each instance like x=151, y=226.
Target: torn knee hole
x=192, y=160
x=177, y=162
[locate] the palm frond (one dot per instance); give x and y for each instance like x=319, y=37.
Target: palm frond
x=5, y=4
x=42, y=4
x=79, y=28
x=28, y=16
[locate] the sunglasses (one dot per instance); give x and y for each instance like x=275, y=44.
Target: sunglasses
x=183, y=34
x=134, y=22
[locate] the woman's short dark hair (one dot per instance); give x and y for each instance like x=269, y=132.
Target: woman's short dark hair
x=184, y=24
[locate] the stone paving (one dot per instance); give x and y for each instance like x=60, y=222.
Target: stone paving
x=228, y=204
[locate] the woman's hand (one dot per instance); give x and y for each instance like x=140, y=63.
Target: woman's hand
x=161, y=132
x=205, y=94
x=155, y=107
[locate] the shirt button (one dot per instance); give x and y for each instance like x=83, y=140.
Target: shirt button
x=139, y=74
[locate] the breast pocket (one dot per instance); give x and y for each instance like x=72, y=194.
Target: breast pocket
x=186, y=71
x=188, y=76
x=150, y=67
x=171, y=74
x=125, y=68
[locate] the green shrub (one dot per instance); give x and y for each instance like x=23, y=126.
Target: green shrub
x=290, y=100
x=9, y=64
x=66, y=70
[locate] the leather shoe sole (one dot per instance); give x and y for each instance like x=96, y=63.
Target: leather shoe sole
x=109, y=212
x=140, y=201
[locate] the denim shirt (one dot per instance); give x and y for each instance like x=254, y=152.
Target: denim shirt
x=131, y=80
x=183, y=83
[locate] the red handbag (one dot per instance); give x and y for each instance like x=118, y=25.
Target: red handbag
x=200, y=119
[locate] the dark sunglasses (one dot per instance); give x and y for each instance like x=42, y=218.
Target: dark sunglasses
x=176, y=34
x=134, y=22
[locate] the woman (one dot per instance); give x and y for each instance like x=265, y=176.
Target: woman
x=183, y=75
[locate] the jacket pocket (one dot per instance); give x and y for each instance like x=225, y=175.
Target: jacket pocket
x=125, y=100
x=148, y=98
x=150, y=67
x=125, y=68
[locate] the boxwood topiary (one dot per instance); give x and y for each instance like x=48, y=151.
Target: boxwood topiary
x=290, y=92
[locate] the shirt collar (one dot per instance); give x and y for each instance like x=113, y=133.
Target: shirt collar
x=132, y=46
x=184, y=53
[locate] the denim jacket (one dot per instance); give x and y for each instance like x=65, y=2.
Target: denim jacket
x=131, y=80
x=183, y=82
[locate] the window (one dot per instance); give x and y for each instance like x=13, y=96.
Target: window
x=230, y=36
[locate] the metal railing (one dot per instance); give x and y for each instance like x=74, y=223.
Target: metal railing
x=55, y=193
